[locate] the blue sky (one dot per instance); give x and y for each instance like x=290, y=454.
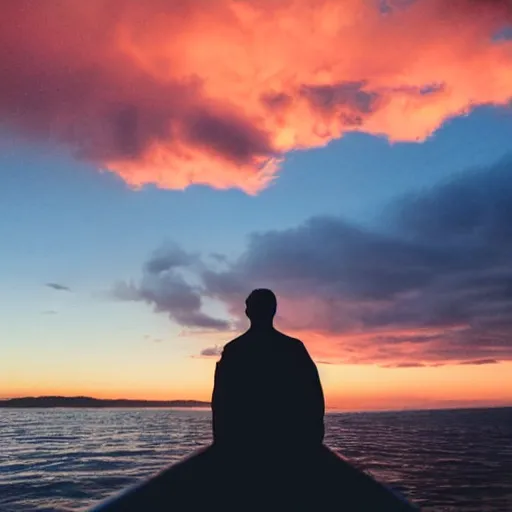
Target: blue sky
x=62, y=221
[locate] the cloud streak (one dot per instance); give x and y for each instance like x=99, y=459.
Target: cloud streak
x=197, y=92
x=435, y=288
x=211, y=351
x=58, y=287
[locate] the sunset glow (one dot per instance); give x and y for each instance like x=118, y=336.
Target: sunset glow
x=347, y=387
x=161, y=159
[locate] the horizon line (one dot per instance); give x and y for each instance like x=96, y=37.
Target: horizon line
x=329, y=409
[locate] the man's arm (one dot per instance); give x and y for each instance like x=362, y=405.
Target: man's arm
x=218, y=402
x=314, y=402
x=224, y=397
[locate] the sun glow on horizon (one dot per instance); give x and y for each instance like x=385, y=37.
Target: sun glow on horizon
x=346, y=387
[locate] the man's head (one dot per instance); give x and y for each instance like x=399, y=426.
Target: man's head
x=261, y=306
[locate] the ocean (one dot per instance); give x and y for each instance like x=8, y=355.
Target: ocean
x=67, y=459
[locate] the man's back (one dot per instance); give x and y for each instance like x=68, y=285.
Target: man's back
x=267, y=393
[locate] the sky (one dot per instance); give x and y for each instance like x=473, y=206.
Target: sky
x=158, y=161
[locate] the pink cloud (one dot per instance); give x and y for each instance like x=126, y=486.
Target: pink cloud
x=198, y=92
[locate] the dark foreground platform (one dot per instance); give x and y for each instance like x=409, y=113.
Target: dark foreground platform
x=216, y=481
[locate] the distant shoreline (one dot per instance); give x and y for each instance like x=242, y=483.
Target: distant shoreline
x=85, y=402
x=89, y=402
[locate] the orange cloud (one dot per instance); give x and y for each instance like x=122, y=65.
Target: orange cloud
x=181, y=92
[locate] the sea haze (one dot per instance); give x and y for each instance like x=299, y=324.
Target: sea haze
x=67, y=459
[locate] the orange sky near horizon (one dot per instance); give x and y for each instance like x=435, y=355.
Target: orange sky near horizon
x=347, y=387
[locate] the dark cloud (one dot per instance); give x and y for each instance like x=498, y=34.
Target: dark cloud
x=446, y=268
x=58, y=287
x=169, y=258
x=211, y=351
x=404, y=365
x=233, y=137
x=49, y=312
x=348, y=98
x=164, y=286
x=436, y=287
x=480, y=362
x=473, y=209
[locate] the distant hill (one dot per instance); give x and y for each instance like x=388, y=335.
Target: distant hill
x=85, y=401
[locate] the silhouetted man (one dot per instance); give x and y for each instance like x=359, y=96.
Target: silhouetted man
x=267, y=394
x=268, y=411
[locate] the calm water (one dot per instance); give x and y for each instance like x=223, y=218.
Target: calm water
x=67, y=459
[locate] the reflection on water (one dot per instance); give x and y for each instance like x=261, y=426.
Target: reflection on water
x=65, y=459
x=442, y=460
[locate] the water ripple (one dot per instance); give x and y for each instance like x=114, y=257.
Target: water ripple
x=67, y=459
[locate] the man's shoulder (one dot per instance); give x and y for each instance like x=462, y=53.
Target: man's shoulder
x=292, y=342
x=233, y=345
x=248, y=341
